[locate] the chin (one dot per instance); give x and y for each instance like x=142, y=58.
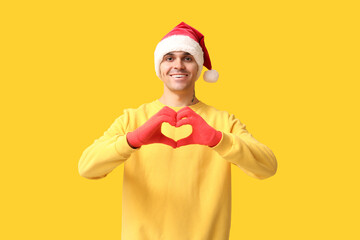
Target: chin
x=177, y=89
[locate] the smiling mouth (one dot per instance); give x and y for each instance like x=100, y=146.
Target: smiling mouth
x=178, y=75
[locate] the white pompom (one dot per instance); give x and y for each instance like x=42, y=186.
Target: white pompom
x=211, y=76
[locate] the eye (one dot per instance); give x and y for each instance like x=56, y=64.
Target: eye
x=168, y=58
x=188, y=59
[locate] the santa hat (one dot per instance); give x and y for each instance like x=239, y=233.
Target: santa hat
x=186, y=38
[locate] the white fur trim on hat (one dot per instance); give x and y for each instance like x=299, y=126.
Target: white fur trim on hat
x=179, y=43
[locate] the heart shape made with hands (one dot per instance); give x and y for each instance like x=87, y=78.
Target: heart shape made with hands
x=190, y=128
x=176, y=133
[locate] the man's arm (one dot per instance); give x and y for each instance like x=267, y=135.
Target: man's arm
x=238, y=147
x=242, y=149
x=107, y=152
x=116, y=146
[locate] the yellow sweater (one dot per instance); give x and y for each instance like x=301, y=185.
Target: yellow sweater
x=182, y=193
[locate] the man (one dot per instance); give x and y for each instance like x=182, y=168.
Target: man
x=177, y=189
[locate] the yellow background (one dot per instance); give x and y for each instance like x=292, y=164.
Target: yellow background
x=289, y=70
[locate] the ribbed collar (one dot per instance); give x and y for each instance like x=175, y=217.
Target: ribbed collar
x=159, y=105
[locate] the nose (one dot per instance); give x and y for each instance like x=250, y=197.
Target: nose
x=178, y=64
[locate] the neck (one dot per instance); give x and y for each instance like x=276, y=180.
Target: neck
x=173, y=99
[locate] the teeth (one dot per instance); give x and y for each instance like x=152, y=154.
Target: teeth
x=178, y=76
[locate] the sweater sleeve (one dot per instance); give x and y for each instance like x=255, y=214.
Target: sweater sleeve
x=107, y=152
x=242, y=149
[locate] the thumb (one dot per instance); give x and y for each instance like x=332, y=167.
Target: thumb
x=185, y=141
x=168, y=141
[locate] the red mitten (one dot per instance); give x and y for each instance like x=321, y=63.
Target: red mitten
x=202, y=133
x=150, y=131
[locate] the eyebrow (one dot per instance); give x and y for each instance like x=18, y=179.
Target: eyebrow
x=172, y=53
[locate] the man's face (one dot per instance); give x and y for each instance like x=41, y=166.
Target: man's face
x=178, y=71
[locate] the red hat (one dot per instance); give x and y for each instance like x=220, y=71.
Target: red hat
x=186, y=38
